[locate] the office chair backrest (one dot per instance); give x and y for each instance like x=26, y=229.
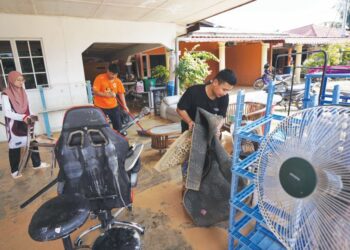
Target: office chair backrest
x=91, y=158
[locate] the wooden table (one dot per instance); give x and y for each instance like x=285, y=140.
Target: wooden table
x=160, y=135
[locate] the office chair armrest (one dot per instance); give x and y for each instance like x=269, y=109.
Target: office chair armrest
x=133, y=157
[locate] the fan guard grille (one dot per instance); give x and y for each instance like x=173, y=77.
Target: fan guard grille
x=305, y=210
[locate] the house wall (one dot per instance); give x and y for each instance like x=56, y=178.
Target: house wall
x=243, y=58
x=63, y=41
x=92, y=69
x=157, y=51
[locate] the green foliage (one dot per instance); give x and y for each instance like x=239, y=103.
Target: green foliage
x=338, y=54
x=341, y=10
x=345, y=60
x=193, y=68
x=160, y=72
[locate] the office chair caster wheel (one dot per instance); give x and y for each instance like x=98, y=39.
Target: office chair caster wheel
x=78, y=243
x=82, y=248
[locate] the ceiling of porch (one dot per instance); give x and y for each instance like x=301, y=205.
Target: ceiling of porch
x=181, y=12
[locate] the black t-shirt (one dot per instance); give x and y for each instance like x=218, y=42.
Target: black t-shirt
x=195, y=96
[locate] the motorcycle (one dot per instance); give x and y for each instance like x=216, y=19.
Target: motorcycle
x=263, y=81
x=294, y=97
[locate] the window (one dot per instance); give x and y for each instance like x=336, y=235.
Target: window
x=7, y=61
x=25, y=56
x=157, y=60
x=145, y=67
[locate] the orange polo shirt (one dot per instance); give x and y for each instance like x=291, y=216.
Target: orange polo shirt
x=103, y=84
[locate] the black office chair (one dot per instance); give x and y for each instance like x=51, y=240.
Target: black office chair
x=97, y=171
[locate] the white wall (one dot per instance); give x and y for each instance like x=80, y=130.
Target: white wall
x=63, y=40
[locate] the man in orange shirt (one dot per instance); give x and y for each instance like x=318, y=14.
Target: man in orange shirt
x=107, y=87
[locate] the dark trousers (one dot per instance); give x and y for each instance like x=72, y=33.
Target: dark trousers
x=114, y=116
x=15, y=157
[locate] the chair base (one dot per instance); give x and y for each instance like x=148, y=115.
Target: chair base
x=113, y=225
x=118, y=238
x=67, y=243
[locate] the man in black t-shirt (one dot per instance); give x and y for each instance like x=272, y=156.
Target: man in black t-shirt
x=212, y=97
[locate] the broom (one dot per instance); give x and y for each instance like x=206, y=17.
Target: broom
x=141, y=132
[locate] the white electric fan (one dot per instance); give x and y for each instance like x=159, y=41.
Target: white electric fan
x=303, y=179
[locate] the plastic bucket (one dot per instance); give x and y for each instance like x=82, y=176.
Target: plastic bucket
x=151, y=82
x=171, y=88
x=287, y=70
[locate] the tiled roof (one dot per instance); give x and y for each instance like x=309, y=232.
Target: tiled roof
x=317, y=40
x=227, y=35
x=313, y=30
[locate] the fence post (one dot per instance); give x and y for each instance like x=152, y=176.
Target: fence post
x=336, y=94
x=45, y=114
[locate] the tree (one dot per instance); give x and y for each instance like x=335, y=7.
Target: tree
x=193, y=68
x=338, y=54
x=341, y=9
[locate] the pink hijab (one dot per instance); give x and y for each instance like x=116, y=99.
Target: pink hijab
x=17, y=96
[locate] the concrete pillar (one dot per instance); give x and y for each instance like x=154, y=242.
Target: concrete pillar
x=264, y=59
x=177, y=58
x=167, y=58
x=222, y=62
x=298, y=49
x=290, y=62
x=270, y=56
x=172, y=62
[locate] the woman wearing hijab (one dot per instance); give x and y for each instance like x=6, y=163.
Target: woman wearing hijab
x=17, y=115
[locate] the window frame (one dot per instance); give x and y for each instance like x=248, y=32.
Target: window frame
x=16, y=57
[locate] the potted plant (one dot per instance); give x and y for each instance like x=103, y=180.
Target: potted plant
x=161, y=73
x=193, y=68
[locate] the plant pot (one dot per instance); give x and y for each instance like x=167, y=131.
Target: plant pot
x=148, y=83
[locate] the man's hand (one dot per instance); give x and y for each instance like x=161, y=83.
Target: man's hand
x=186, y=118
x=218, y=131
x=190, y=125
x=126, y=109
x=110, y=94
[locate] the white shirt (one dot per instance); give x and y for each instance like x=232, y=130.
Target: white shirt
x=9, y=112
